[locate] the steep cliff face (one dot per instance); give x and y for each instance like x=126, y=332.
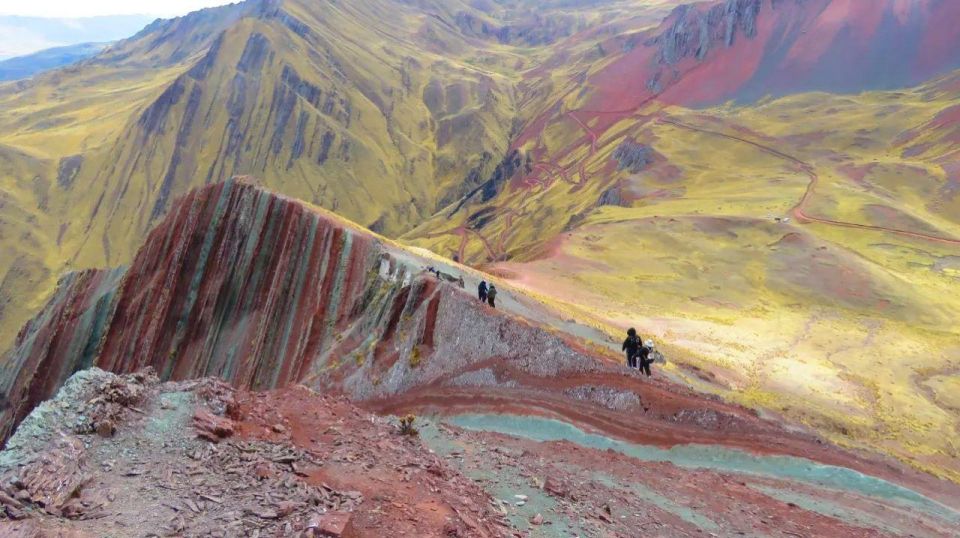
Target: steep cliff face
x=63, y=338
x=694, y=32
x=235, y=282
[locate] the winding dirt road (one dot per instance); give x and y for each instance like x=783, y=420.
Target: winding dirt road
x=799, y=211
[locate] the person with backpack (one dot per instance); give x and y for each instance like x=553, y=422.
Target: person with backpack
x=482, y=291
x=653, y=355
x=645, y=359
x=492, y=296
x=632, y=346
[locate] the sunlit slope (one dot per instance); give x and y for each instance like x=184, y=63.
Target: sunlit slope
x=801, y=255
x=314, y=113
x=48, y=132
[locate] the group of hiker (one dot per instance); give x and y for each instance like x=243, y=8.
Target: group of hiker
x=487, y=294
x=444, y=276
x=640, y=354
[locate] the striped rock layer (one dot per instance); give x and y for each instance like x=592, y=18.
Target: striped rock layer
x=235, y=282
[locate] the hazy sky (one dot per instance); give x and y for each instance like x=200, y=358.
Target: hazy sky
x=90, y=8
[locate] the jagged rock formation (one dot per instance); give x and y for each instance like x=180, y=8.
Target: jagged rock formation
x=694, y=32
x=632, y=156
x=515, y=162
x=275, y=281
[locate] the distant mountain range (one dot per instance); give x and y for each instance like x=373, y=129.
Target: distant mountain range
x=25, y=66
x=20, y=36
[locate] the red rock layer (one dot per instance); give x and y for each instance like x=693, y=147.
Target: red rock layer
x=62, y=339
x=235, y=282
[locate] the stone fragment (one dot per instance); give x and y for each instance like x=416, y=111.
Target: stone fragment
x=263, y=471
x=105, y=428
x=263, y=513
x=211, y=427
x=331, y=524
x=285, y=508
x=555, y=487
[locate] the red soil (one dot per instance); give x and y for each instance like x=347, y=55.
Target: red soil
x=407, y=491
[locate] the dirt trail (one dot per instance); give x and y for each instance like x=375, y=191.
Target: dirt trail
x=593, y=147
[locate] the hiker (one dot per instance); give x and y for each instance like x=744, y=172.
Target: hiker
x=632, y=346
x=482, y=291
x=492, y=296
x=653, y=356
x=646, y=357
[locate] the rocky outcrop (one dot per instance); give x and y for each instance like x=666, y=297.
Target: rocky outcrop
x=632, y=156
x=67, y=170
x=612, y=196
x=696, y=31
x=153, y=119
x=63, y=338
x=235, y=282
x=513, y=162
x=254, y=54
x=211, y=460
